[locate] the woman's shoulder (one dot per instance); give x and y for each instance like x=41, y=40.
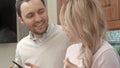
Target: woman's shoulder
x=73, y=49
x=76, y=46
x=72, y=53
x=106, y=51
x=106, y=55
x=105, y=47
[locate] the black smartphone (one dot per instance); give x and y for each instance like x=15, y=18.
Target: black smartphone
x=19, y=66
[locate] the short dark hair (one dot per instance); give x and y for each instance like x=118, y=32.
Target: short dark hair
x=18, y=5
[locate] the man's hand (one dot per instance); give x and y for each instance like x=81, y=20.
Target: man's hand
x=30, y=65
x=68, y=64
x=11, y=66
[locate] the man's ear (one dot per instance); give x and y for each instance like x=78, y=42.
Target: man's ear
x=20, y=20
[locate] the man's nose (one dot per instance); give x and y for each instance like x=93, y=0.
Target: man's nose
x=38, y=18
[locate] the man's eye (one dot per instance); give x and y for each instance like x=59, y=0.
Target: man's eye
x=29, y=15
x=41, y=11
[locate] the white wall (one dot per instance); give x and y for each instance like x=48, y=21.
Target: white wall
x=52, y=10
x=7, y=53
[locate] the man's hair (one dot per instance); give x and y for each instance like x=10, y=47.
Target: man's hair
x=18, y=5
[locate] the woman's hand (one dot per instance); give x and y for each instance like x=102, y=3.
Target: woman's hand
x=30, y=65
x=68, y=64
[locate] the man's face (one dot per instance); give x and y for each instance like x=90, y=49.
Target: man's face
x=34, y=16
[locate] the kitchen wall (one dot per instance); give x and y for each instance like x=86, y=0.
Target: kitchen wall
x=7, y=52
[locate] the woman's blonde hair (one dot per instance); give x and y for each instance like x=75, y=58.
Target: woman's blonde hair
x=84, y=21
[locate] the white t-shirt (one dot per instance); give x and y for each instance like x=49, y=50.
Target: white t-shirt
x=105, y=57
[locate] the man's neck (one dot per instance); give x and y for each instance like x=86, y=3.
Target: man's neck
x=38, y=36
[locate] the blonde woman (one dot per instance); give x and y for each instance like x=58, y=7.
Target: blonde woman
x=84, y=23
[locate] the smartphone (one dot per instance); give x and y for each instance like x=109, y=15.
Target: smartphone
x=19, y=66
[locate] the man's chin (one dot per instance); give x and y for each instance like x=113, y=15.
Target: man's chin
x=40, y=33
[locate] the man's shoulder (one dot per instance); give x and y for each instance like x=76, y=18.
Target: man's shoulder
x=23, y=40
x=59, y=31
x=59, y=28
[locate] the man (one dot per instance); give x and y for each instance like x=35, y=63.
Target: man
x=46, y=44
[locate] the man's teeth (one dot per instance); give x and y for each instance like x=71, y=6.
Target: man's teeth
x=40, y=24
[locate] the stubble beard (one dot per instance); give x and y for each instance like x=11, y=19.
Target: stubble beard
x=41, y=33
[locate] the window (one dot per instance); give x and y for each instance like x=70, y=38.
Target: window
x=8, y=32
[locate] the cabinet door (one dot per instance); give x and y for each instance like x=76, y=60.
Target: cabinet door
x=111, y=9
x=112, y=13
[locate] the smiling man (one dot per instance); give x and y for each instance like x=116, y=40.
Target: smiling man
x=46, y=44
x=34, y=16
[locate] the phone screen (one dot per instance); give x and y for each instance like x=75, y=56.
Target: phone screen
x=17, y=64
